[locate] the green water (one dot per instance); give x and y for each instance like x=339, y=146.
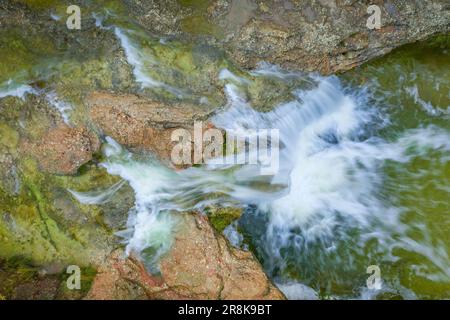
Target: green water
x=411, y=89
x=421, y=185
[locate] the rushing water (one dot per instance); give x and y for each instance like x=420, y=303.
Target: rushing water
x=353, y=195
x=363, y=177
x=354, y=188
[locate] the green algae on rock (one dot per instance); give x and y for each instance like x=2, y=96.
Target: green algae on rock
x=325, y=36
x=222, y=217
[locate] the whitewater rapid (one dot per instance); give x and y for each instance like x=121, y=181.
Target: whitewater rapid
x=323, y=206
x=332, y=208
x=327, y=210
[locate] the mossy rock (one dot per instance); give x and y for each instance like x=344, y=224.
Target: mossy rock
x=87, y=275
x=21, y=279
x=41, y=4
x=21, y=51
x=45, y=223
x=222, y=217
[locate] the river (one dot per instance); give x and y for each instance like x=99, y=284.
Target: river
x=363, y=175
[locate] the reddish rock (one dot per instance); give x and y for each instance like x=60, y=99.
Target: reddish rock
x=63, y=150
x=141, y=124
x=200, y=265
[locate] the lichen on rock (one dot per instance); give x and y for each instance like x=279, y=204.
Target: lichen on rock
x=325, y=36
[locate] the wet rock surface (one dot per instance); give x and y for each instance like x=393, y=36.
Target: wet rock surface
x=142, y=124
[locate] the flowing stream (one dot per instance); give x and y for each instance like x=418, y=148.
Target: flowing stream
x=363, y=176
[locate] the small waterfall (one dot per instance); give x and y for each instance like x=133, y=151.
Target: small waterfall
x=142, y=63
x=324, y=206
x=335, y=205
x=63, y=107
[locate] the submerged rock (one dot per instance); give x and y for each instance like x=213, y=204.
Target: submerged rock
x=221, y=217
x=200, y=265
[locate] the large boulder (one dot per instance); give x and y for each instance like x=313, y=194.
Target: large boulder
x=200, y=265
x=142, y=124
x=310, y=35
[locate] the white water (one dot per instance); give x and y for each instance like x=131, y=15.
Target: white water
x=325, y=205
x=426, y=105
x=297, y=291
x=334, y=175
x=13, y=89
x=97, y=197
x=327, y=187
x=63, y=107
x=142, y=63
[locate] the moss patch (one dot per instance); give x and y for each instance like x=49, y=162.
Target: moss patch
x=21, y=51
x=44, y=222
x=222, y=217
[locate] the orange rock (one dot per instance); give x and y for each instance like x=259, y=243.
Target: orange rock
x=200, y=265
x=141, y=124
x=62, y=150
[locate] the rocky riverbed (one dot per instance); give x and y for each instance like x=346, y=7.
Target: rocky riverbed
x=82, y=111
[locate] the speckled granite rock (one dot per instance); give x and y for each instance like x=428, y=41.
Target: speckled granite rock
x=313, y=35
x=200, y=265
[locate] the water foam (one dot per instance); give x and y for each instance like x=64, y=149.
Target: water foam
x=63, y=107
x=141, y=63
x=325, y=204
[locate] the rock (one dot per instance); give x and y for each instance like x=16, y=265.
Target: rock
x=21, y=280
x=39, y=218
x=221, y=217
x=327, y=36
x=41, y=221
x=59, y=227
x=120, y=278
x=142, y=124
x=200, y=265
x=62, y=150
x=9, y=180
x=298, y=291
x=41, y=289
